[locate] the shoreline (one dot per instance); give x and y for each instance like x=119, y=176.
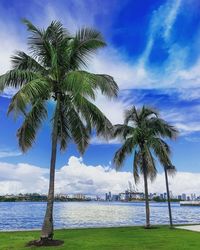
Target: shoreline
x=103, y=227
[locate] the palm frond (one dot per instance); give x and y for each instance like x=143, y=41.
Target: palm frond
x=161, y=127
x=78, y=130
x=161, y=150
x=16, y=78
x=137, y=165
x=151, y=166
x=79, y=82
x=83, y=46
x=39, y=44
x=33, y=120
x=31, y=27
x=131, y=115
x=125, y=150
x=55, y=33
x=147, y=112
x=22, y=61
x=82, y=80
x=122, y=131
x=28, y=94
x=93, y=116
x=171, y=170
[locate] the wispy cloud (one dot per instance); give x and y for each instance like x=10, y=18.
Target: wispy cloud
x=129, y=74
x=195, y=139
x=9, y=153
x=161, y=25
x=98, y=140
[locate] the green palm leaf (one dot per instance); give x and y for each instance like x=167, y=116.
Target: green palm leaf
x=33, y=120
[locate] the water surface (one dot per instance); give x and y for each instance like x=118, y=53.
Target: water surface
x=29, y=215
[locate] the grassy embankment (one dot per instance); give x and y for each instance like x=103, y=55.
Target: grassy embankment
x=133, y=238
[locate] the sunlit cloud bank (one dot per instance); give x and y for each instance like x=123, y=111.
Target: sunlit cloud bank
x=77, y=177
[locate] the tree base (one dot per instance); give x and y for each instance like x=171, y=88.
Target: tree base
x=151, y=227
x=45, y=242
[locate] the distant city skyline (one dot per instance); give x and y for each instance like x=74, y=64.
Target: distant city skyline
x=154, y=60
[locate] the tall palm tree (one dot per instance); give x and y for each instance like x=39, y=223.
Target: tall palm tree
x=142, y=135
x=53, y=70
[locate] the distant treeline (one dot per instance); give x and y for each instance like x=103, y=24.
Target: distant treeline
x=36, y=197
x=158, y=199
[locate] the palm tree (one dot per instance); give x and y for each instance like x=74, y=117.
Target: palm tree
x=171, y=170
x=53, y=71
x=142, y=135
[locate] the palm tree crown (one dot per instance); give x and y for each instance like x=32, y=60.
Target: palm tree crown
x=53, y=70
x=142, y=134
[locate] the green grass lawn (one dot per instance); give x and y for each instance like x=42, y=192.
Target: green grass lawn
x=125, y=238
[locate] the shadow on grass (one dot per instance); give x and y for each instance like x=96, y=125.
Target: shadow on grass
x=152, y=227
x=42, y=243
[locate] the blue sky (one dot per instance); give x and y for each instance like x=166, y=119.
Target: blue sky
x=153, y=53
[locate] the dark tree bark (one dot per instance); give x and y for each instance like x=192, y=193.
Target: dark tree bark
x=146, y=197
x=168, y=198
x=47, y=228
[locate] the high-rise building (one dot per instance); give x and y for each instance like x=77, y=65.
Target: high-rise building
x=115, y=197
x=106, y=196
x=161, y=196
x=183, y=197
x=79, y=196
x=179, y=197
x=110, y=196
x=193, y=197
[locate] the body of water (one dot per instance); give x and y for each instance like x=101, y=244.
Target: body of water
x=29, y=215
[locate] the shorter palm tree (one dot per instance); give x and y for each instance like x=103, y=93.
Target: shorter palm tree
x=169, y=169
x=142, y=135
x=166, y=168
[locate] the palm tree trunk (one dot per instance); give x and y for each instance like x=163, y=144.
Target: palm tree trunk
x=47, y=228
x=168, y=197
x=146, y=198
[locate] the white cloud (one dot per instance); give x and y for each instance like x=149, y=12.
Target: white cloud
x=161, y=24
x=185, y=119
x=77, y=177
x=112, y=108
x=10, y=41
x=98, y=140
x=22, y=178
x=171, y=17
x=9, y=153
x=192, y=138
x=128, y=74
x=188, y=128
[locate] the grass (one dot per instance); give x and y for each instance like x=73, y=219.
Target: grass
x=126, y=238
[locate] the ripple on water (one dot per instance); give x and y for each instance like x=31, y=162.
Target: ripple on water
x=29, y=215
